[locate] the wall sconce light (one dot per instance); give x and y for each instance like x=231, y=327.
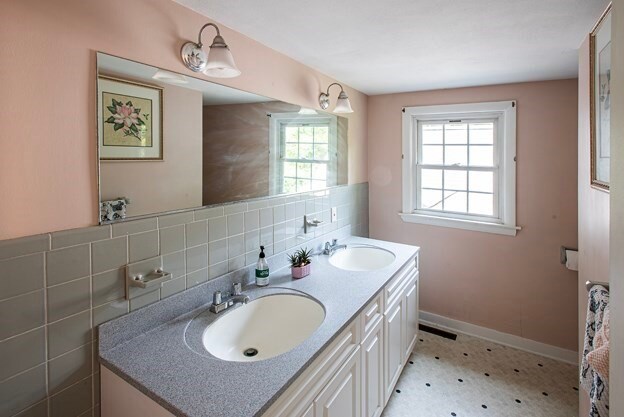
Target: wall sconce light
x=342, y=104
x=218, y=62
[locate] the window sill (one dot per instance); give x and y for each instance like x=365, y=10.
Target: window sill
x=476, y=226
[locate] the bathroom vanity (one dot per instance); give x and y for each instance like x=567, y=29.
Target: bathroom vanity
x=157, y=361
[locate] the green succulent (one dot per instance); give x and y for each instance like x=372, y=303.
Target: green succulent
x=302, y=257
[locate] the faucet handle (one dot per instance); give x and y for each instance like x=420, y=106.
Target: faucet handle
x=334, y=242
x=216, y=298
x=238, y=288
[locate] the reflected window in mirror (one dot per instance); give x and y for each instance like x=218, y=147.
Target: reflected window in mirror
x=305, y=157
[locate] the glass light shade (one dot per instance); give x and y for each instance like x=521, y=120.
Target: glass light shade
x=221, y=63
x=343, y=105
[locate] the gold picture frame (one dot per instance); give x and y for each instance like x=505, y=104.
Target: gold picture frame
x=130, y=120
x=600, y=98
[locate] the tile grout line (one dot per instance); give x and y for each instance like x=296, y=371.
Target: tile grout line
x=46, y=330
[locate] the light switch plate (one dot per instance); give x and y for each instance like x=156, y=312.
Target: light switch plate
x=334, y=215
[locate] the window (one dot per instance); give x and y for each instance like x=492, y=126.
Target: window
x=459, y=166
x=304, y=152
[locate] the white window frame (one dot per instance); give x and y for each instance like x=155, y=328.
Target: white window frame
x=278, y=121
x=504, y=222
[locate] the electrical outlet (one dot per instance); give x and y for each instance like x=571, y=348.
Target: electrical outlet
x=334, y=215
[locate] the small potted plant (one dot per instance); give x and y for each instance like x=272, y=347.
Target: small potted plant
x=300, y=263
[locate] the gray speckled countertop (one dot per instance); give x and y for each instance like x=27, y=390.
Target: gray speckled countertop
x=147, y=348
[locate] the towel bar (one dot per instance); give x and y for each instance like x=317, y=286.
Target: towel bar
x=590, y=284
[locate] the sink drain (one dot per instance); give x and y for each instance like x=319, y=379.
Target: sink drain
x=250, y=352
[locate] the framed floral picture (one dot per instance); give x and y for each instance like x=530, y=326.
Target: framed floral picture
x=600, y=101
x=129, y=120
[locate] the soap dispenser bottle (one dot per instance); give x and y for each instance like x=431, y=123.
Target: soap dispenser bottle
x=262, y=270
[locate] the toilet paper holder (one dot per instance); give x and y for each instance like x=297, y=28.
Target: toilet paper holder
x=563, y=256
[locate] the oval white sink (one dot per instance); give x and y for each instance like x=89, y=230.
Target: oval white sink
x=361, y=258
x=264, y=328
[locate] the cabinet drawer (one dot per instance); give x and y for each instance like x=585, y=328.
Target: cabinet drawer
x=371, y=315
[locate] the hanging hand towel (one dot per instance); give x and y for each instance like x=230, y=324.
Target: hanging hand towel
x=591, y=380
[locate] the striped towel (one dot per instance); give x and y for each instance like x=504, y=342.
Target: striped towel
x=591, y=380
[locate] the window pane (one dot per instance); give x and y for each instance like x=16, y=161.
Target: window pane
x=321, y=152
x=482, y=204
x=431, y=199
x=482, y=156
x=455, y=155
x=319, y=171
x=306, y=134
x=306, y=151
x=455, y=201
x=290, y=169
x=482, y=133
x=432, y=154
x=482, y=181
x=290, y=185
x=292, y=151
x=455, y=180
x=292, y=133
x=304, y=170
x=304, y=185
x=432, y=134
x=321, y=134
x=431, y=178
x=456, y=133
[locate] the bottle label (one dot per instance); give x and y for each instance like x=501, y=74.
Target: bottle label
x=262, y=273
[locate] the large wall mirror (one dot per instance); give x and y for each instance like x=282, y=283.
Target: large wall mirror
x=170, y=142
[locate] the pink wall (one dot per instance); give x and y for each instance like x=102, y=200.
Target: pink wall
x=516, y=284
x=47, y=79
x=593, y=212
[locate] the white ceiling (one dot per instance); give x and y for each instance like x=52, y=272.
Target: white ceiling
x=406, y=45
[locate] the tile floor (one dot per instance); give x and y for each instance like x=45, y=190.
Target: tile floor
x=474, y=377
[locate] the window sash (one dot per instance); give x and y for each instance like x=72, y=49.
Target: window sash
x=282, y=160
x=495, y=169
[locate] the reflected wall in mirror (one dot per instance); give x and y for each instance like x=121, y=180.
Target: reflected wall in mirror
x=170, y=142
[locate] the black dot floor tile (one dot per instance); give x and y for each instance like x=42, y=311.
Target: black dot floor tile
x=500, y=393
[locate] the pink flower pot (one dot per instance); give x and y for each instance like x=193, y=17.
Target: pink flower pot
x=300, y=271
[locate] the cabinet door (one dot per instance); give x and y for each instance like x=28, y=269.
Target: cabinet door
x=372, y=372
x=394, y=329
x=411, y=317
x=342, y=396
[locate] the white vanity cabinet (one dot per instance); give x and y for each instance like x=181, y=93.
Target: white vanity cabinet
x=356, y=375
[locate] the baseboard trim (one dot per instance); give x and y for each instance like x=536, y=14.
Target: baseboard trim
x=528, y=345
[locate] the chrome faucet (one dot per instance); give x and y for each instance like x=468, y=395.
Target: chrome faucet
x=219, y=303
x=332, y=247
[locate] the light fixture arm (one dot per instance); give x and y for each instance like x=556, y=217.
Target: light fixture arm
x=218, y=40
x=339, y=85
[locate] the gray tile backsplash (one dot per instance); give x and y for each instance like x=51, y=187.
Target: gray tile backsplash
x=21, y=275
x=56, y=288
